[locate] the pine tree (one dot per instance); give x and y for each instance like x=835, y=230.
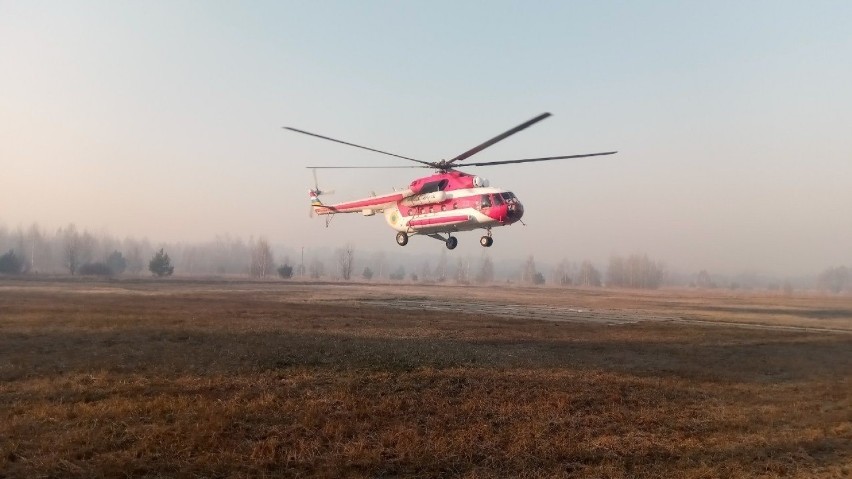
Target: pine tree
x=161, y=264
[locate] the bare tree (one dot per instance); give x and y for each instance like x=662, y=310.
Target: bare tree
x=834, y=279
x=637, y=271
x=528, y=275
x=71, y=247
x=615, y=273
x=588, y=275
x=562, y=273
x=486, y=270
x=345, y=260
x=88, y=245
x=262, y=262
x=425, y=271
x=24, y=249
x=40, y=257
x=105, y=244
x=135, y=256
x=441, y=268
x=379, y=265
x=703, y=280
x=316, y=268
x=462, y=276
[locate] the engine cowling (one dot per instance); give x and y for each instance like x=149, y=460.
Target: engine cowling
x=480, y=182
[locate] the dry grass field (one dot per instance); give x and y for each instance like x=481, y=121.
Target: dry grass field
x=267, y=379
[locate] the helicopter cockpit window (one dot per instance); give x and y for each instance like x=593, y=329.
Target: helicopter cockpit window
x=434, y=186
x=486, y=201
x=509, y=197
x=498, y=200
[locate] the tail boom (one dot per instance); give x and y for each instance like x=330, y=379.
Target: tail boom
x=357, y=206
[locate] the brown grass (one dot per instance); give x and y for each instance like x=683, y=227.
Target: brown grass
x=217, y=379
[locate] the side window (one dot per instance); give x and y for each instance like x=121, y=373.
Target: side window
x=486, y=201
x=498, y=200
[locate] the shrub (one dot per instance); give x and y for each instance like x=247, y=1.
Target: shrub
x=10, y=263
x=285, y=271
x=95, y=269
x=116, y=262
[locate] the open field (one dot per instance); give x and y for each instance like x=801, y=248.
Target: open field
x=219, y=379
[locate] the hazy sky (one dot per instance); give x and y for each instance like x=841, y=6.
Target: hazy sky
x=163, y=119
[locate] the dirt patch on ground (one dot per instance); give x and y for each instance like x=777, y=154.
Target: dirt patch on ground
x=519, y=311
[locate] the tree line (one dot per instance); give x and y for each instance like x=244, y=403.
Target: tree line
x=74, y=251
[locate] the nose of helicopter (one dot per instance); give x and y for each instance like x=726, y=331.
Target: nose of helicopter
x=515, y=211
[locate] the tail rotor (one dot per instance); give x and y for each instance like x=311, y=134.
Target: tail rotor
x=315, y=193
x=317, y=189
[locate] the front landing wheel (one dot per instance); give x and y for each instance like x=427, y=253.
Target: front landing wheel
x=401, y=238
x=452, y=242
x=486, y=241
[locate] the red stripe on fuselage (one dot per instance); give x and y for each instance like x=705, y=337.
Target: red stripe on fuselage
x=438, y=221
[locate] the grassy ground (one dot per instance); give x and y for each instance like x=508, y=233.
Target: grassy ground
x=269, y=379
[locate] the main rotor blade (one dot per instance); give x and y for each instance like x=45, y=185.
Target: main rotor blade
x=528, y=160
x=367, y=167
x=497, y=138
x=316, y=182
x=352, y=144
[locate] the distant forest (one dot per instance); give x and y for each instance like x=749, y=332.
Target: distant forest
x=75, y=252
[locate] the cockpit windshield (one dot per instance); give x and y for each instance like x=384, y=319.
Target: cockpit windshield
x=509, y=197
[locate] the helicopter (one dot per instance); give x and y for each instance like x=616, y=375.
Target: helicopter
x=442, y=204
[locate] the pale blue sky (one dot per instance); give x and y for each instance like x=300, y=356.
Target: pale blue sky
x=733, y=121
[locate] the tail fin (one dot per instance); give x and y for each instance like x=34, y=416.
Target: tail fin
x=316, y=204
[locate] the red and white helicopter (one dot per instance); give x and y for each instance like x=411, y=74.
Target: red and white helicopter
x=444, y=203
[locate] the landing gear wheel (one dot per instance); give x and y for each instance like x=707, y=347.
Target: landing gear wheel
x=486, y=241
x=401, y=238
x=452, y=242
